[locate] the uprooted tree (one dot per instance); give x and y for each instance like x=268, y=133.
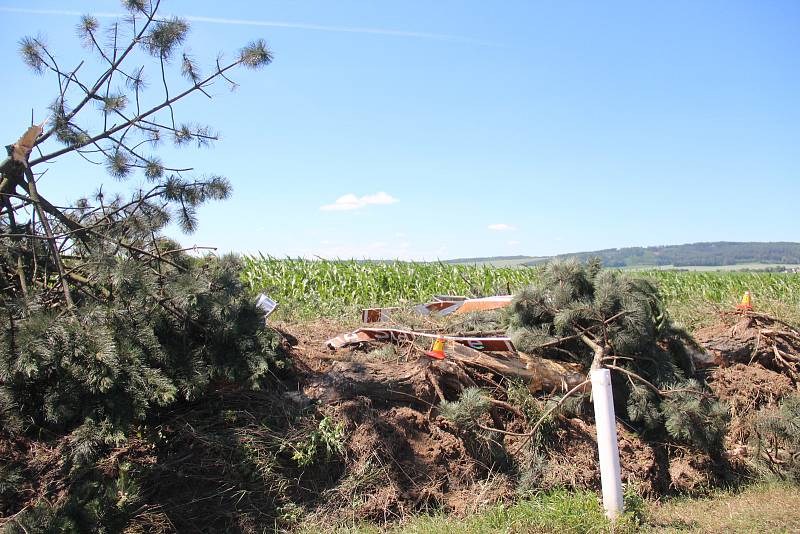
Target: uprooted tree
x=104, y=319
x=603, y=318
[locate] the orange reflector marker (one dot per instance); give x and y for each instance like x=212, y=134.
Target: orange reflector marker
x=437, y=351
x=747, y=302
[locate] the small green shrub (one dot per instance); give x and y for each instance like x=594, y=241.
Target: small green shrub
x=465, y=412
x=324, y=443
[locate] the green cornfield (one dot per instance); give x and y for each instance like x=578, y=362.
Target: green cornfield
x=329, y=288
x=693, y=296
x=725, y=287
x=323, y=288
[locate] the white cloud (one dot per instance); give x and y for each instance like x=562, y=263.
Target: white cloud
x=352, y=202
x=501, y=227
x=513, y=242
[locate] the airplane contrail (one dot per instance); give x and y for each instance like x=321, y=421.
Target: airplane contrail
x=264, y=23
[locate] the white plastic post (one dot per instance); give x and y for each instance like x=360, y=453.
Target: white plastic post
x=610, y=476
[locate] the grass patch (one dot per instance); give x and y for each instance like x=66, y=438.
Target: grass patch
x=770, y=507
x=559, y=512
x=766, y=507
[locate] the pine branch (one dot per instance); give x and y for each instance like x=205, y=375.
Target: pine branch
x=90, y=95
x=108, y=133
x=546, y=414
x=51, y=239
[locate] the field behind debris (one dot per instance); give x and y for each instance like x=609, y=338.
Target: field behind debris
x=336, y=289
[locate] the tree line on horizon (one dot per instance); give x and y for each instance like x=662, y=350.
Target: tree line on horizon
x=711, y=254
x=696, y=254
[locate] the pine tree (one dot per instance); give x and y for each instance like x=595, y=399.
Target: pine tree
x=105, y=322
x=606, y=318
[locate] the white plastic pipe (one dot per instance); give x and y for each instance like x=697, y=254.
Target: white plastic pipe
x=610, y=476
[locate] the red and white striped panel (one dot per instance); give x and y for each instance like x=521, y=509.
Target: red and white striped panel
x=485, y=344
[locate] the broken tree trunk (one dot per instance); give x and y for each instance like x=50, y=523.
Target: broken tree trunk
x=425, y=381
x=539, y=373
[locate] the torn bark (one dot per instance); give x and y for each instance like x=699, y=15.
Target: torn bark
x=539, y=373
x=417, y=382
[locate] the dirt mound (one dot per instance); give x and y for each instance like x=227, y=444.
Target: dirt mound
x=756, y=361
x=733, y=339
x=403, y=457
x=571, y=459
x=753, y=338
x=653, y=468
x=749, y=386
x=747, y=389
x=400, y=460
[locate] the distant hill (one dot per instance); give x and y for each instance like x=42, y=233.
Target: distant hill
x=717, y=254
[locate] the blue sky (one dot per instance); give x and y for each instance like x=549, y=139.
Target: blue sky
x=418, y=130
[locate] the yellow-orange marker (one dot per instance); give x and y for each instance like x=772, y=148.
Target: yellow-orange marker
x=437, y=351
x=747, y=302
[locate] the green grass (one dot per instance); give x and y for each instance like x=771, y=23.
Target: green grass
x=765, y=507
x=560, y=512
x=319, y=288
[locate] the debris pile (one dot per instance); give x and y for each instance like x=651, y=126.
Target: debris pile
x=756, y=371
x=511, y=399
x=450, y=412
